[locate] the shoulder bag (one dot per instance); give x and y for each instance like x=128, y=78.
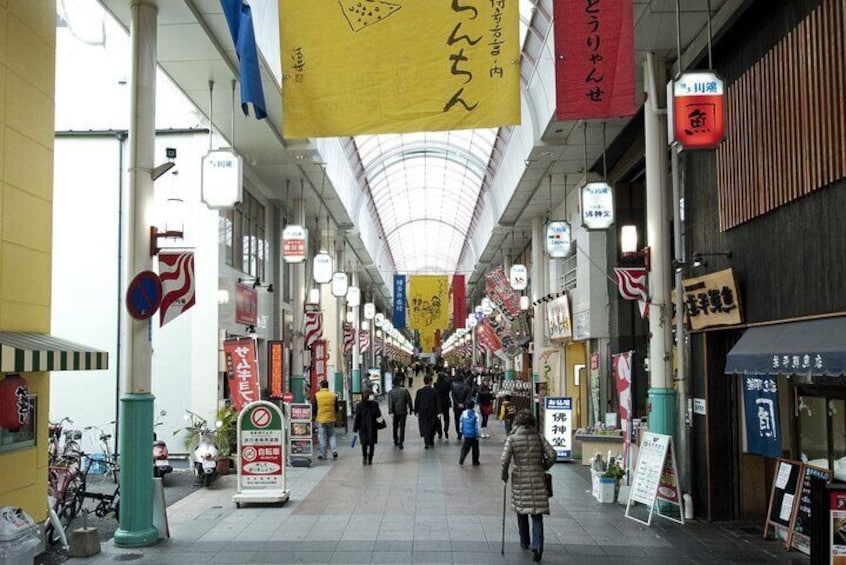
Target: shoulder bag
x=547, y=477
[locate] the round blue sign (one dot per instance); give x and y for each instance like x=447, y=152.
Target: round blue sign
x=144, y=295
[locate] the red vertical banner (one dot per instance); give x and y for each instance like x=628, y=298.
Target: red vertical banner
x=246, y=305
x=594, y=59
x=241, y=371
x=459, y=302
x=276, y=368
x=318, y=364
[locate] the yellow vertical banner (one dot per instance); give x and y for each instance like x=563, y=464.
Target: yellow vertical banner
x=352, y=67
x=428, y=307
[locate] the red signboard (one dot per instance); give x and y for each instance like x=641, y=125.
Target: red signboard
x=318, y=364
x=594, y=59
x=246, y=305
x=699, y=113
x=276, y=368
x=241, y=371
x=499, y=291
x=459, y=302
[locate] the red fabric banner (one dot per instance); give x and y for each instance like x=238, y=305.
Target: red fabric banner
x=318, y=364
x=241, y=371
x=459, y=302
x=623, y=376
x=499, y=291
x=594, y=59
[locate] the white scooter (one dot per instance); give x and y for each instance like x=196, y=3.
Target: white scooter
x=206, y=454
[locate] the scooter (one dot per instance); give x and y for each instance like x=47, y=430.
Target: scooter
x=206, y=454
x=161, y=463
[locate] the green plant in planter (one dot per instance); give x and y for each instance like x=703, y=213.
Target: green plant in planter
x=614, y=471
x=225, y=430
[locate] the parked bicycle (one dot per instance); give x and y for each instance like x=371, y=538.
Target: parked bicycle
x=56, y=448
x=64, y=488
x=106, y=460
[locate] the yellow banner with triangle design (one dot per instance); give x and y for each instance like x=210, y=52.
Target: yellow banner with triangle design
x=354, y=67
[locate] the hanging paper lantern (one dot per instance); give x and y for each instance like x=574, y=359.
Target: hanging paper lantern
x=15, y=406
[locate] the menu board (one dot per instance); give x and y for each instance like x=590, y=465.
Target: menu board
x=801, y=528
x=650, y=467
x=783, y=495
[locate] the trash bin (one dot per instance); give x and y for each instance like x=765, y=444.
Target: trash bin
x=18, y=537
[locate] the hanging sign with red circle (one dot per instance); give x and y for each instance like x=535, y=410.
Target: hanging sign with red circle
x=144, y=295
x=698, y=110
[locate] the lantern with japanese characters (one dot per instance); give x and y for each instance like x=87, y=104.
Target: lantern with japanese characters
x=15, y=406
x=698, y=110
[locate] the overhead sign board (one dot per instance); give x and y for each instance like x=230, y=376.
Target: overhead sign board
x=698, y=110
x=559, y=239
x=519, y=277
x=597, y=205
x=294, y=243
x=222, y=178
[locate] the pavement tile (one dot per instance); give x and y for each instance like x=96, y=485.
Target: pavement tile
x=392, y=557
x=352, y=557
x=432, y=557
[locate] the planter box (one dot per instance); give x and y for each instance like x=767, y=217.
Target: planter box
x=606, y=490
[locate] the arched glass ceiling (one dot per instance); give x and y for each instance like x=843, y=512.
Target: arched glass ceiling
x=425, y=187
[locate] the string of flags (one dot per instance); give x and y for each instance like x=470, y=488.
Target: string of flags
x=549, y=298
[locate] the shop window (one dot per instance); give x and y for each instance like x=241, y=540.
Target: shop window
x=821, y=424
x=26, y=436
x=243, y=235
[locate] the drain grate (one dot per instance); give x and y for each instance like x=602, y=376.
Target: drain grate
x=129, y=557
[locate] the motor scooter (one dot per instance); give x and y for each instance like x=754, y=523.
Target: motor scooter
x=206, y=453
x=161, y=462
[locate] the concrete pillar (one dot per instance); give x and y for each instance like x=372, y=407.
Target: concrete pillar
x=662, y=399
x=298, y=298
x=340, y=318
x=356, y=355
x=509, y=362
x=538, y=291
x=136, y=404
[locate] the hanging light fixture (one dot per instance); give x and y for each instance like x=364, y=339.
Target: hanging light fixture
x=369, y=311
x=340, y=284
x=524, y=302
x=314, y=296
x=353, y=297
x=322, y=268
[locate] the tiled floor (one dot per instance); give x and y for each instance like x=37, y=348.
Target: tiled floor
x=419, y=506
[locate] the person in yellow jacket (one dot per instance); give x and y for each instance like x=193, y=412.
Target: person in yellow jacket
x=325, y=406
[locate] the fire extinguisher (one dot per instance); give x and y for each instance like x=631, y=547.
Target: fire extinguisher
x=15, y=406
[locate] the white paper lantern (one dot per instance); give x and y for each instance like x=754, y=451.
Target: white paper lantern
x=353, y=297
x=339, y=284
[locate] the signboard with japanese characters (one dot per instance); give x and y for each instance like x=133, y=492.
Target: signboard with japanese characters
x=655, y=478
x=261, y=447
x=698, y=110
x=241, y=370
x=501, y=295
x=597, y=205
x=246, y=305
x=760, y=402
x=712, y=300
x=837, y=527
x=398, y=312
x=294, y=243
x=559, y=239
x=318, y=364
x=302, y=434
x=558, y=425
x=812, y=477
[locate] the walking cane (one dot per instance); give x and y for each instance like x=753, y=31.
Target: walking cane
x=504, y=489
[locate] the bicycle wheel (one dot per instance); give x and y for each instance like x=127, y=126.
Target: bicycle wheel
x=65, y=518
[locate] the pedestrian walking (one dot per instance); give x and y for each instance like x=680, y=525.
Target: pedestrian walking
x=426, y=408
x=368, y=421
x=443, y=388
x=529, y=455
x=325, y=406
x=460, y=395
x=507, y=413
x=469, y=422
x=486, y=407
x=399, y=405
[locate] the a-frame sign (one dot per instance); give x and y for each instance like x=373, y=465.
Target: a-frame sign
x=655, y=481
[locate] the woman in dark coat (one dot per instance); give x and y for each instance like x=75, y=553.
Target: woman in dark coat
x=365, y=425
x=531, y=455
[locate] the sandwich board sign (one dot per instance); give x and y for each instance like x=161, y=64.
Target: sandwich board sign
x=261, y=447
x=656, y=481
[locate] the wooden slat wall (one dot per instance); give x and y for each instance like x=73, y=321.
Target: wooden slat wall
x=786, y=120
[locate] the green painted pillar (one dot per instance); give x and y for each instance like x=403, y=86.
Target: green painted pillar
x=662, y=411
x=356, y=381
x=297, y=382
x=339, y=385
x=509, y=374
x=136, y=472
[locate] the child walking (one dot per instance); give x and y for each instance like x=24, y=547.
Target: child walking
x=469, y=426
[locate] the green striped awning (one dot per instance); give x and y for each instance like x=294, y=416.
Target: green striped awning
x=31, y=352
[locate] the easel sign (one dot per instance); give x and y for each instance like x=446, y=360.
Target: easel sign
x=655, y=481
x=786, y=485
x=799, y=536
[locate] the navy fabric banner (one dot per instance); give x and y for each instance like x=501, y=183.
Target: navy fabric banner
x=240, y=20
x=399, y=302
x=760, y=400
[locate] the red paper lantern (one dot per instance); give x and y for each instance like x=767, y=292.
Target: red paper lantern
x=15, y=406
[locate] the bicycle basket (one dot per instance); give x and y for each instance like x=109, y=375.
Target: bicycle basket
x=98, y=464
x=74, y=435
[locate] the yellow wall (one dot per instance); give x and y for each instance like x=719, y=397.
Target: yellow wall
x=575, y=355
x=27, y=87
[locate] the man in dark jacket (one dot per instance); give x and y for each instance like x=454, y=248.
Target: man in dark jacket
x=399, y=405
x=426, y=408
x=443, y=388
x=460, y=396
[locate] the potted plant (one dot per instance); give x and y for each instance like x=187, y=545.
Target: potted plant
x=614, y=472
x=225, y=437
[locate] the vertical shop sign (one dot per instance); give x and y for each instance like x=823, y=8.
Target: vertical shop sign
x=459, y=302
x=558, y=425
x=276, y=368
x=246, y=305
x=837, y=508
x=622, y=363
x=594, y=59
x=302, y=433
x=398, y=319
x=760, y=402
x=294, y=244
x=318, y=364
x=594, y=385
x=698, y=110
x=241, y=370
x=499, y=291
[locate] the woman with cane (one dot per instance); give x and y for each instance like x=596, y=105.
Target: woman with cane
x=531, y=456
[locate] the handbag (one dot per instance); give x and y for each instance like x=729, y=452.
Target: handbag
x=380, y=423
x=547, y=477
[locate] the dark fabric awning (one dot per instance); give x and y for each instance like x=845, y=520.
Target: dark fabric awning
x=815, y=348
x=31, y=352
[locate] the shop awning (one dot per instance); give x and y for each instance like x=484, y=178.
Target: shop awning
x=31, y=352
x=814, y=348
